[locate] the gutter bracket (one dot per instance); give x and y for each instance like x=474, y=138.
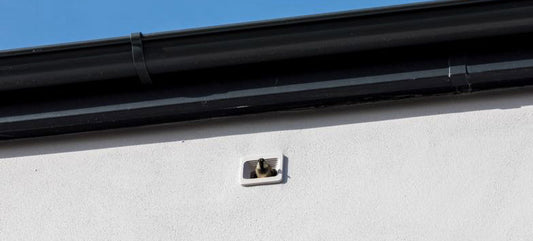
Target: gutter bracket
x=139, y=62
x=458, y=74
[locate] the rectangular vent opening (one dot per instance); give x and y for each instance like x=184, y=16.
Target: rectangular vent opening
x=249, y=164
x=249, y=167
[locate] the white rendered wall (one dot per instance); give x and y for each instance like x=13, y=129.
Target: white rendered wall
x=443, y=168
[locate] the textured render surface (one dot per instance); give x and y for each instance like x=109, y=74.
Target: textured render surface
x=444, y=168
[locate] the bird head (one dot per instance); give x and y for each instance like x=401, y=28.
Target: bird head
x=262, y=165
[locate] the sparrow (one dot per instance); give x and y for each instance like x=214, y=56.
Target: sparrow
x=263, y=170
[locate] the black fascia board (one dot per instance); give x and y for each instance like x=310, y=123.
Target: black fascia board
x=349, y=57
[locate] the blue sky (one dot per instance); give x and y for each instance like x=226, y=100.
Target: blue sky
x=25, y=23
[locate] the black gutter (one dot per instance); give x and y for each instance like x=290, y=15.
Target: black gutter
x=351, y=57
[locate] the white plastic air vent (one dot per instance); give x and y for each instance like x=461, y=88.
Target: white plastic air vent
x=249, y=163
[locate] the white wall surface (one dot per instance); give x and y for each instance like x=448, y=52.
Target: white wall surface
x=442, y=168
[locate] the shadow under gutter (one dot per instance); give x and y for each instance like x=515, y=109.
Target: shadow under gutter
x=343, y=58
